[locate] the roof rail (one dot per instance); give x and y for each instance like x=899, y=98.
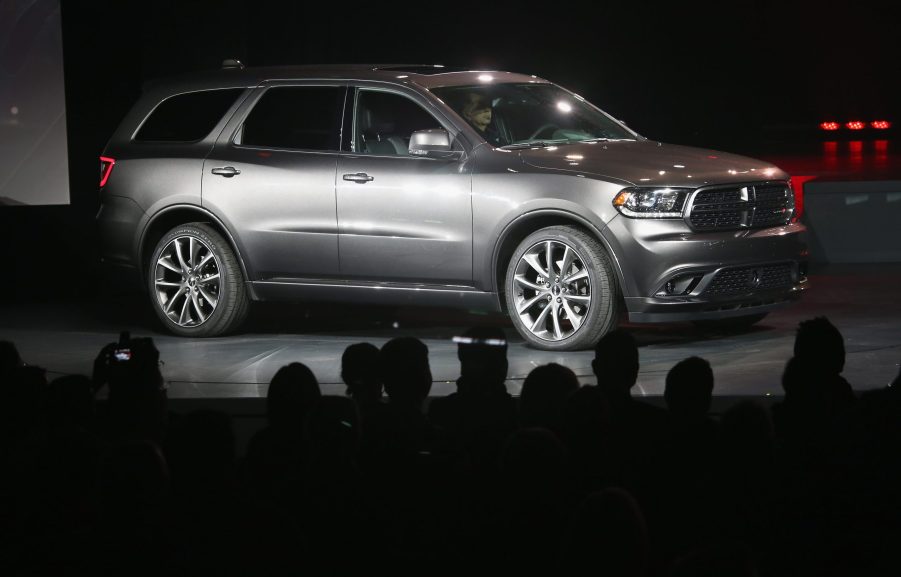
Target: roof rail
x=232, y=63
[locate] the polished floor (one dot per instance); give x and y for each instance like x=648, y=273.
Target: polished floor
x=864, y=301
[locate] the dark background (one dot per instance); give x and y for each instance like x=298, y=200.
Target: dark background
x=747, y=76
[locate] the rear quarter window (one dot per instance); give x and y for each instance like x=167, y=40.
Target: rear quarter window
x=187, y=117
x=296, y=117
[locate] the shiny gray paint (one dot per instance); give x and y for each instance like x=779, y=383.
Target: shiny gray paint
x=423, y=230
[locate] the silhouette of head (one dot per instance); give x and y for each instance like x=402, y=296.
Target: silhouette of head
x=689, y=388
x=483, y=359
x=820, y=344
x=292, y=392
x=616, y=361
x=360, y=372
x=544, y=393
x=404, y=366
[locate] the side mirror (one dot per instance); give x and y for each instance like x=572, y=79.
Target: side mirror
x=434, y=143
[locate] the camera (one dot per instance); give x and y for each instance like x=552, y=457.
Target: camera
x=122, y=352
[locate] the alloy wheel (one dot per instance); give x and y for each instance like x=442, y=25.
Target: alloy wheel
x=187, y=281
x=551, y=290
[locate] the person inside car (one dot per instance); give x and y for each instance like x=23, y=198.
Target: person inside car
x=478, y=113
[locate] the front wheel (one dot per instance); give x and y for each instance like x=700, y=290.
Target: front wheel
x=195, y=281
x=561, y=290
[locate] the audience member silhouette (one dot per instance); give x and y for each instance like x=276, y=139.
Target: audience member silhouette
x=137, y=404
x=130, y=535
x=691, y=501
x=360, y=372
x=821, y=348
x=581, y=479
x=415, y=460
x=543, y=394
x=636, y=426
x=689, y=391
x=607, y=533
x=533, y=502
x=276, y=453
x=481, y=413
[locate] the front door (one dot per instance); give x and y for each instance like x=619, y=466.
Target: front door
x=401, y=219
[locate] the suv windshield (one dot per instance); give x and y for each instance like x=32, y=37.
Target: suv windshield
x=529, y=114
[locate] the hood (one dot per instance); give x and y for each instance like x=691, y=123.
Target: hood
x=651, y=163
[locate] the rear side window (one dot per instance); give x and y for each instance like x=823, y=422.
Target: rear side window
x=299, y=117
x=187, y=117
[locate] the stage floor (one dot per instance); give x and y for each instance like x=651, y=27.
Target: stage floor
x=862, y=300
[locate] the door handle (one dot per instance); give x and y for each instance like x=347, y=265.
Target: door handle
x=359, y=177
x=226, y=171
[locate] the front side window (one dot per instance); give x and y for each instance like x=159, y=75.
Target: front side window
x=385, y=121
x=187, y=117
x=296, y=117
x=523, y=114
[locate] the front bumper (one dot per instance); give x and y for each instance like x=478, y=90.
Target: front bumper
x=671, y=273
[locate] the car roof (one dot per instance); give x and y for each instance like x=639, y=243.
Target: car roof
x=424, y=75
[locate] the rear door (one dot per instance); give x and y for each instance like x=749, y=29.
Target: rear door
x=271, y=179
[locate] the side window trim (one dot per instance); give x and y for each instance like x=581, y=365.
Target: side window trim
x=359, y=90
x=236, y=139
x=223, y=120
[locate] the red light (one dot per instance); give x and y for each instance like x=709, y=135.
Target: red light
x=830, y=125
x=106, y=167
x=855, y=125
x=881, y=124
x=797, y=186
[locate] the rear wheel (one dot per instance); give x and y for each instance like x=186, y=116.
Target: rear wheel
x=196, y=285
x=561, y=290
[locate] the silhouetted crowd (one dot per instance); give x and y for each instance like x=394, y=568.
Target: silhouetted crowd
x=563, y=480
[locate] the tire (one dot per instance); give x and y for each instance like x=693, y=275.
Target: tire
x=733, y=324
x=590, y=293
x=192, y=266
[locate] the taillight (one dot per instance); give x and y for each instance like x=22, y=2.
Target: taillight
x=797, y=186
x=829, y=125
x=106, y=167
x=855, y=125
x=881, y=124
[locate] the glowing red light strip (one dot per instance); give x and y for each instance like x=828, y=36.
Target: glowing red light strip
x=106, y=167
x=881, y=124
x=830, y=125
x=797, y=184
x=855, y=125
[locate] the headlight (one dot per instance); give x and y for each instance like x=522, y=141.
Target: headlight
x=647, y=202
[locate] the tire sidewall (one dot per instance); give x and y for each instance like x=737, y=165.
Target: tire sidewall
x=602, y=312
x=215, y=242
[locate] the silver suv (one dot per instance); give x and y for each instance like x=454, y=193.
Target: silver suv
x=421, y=185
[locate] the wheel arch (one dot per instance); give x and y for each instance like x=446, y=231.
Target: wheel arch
x=172, y=216
x=517, y=230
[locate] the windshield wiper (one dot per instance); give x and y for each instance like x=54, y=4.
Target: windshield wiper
x=603, y=139
x=536, y=144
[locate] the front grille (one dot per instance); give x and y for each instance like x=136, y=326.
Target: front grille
x=752, y=206
x=751, y=279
